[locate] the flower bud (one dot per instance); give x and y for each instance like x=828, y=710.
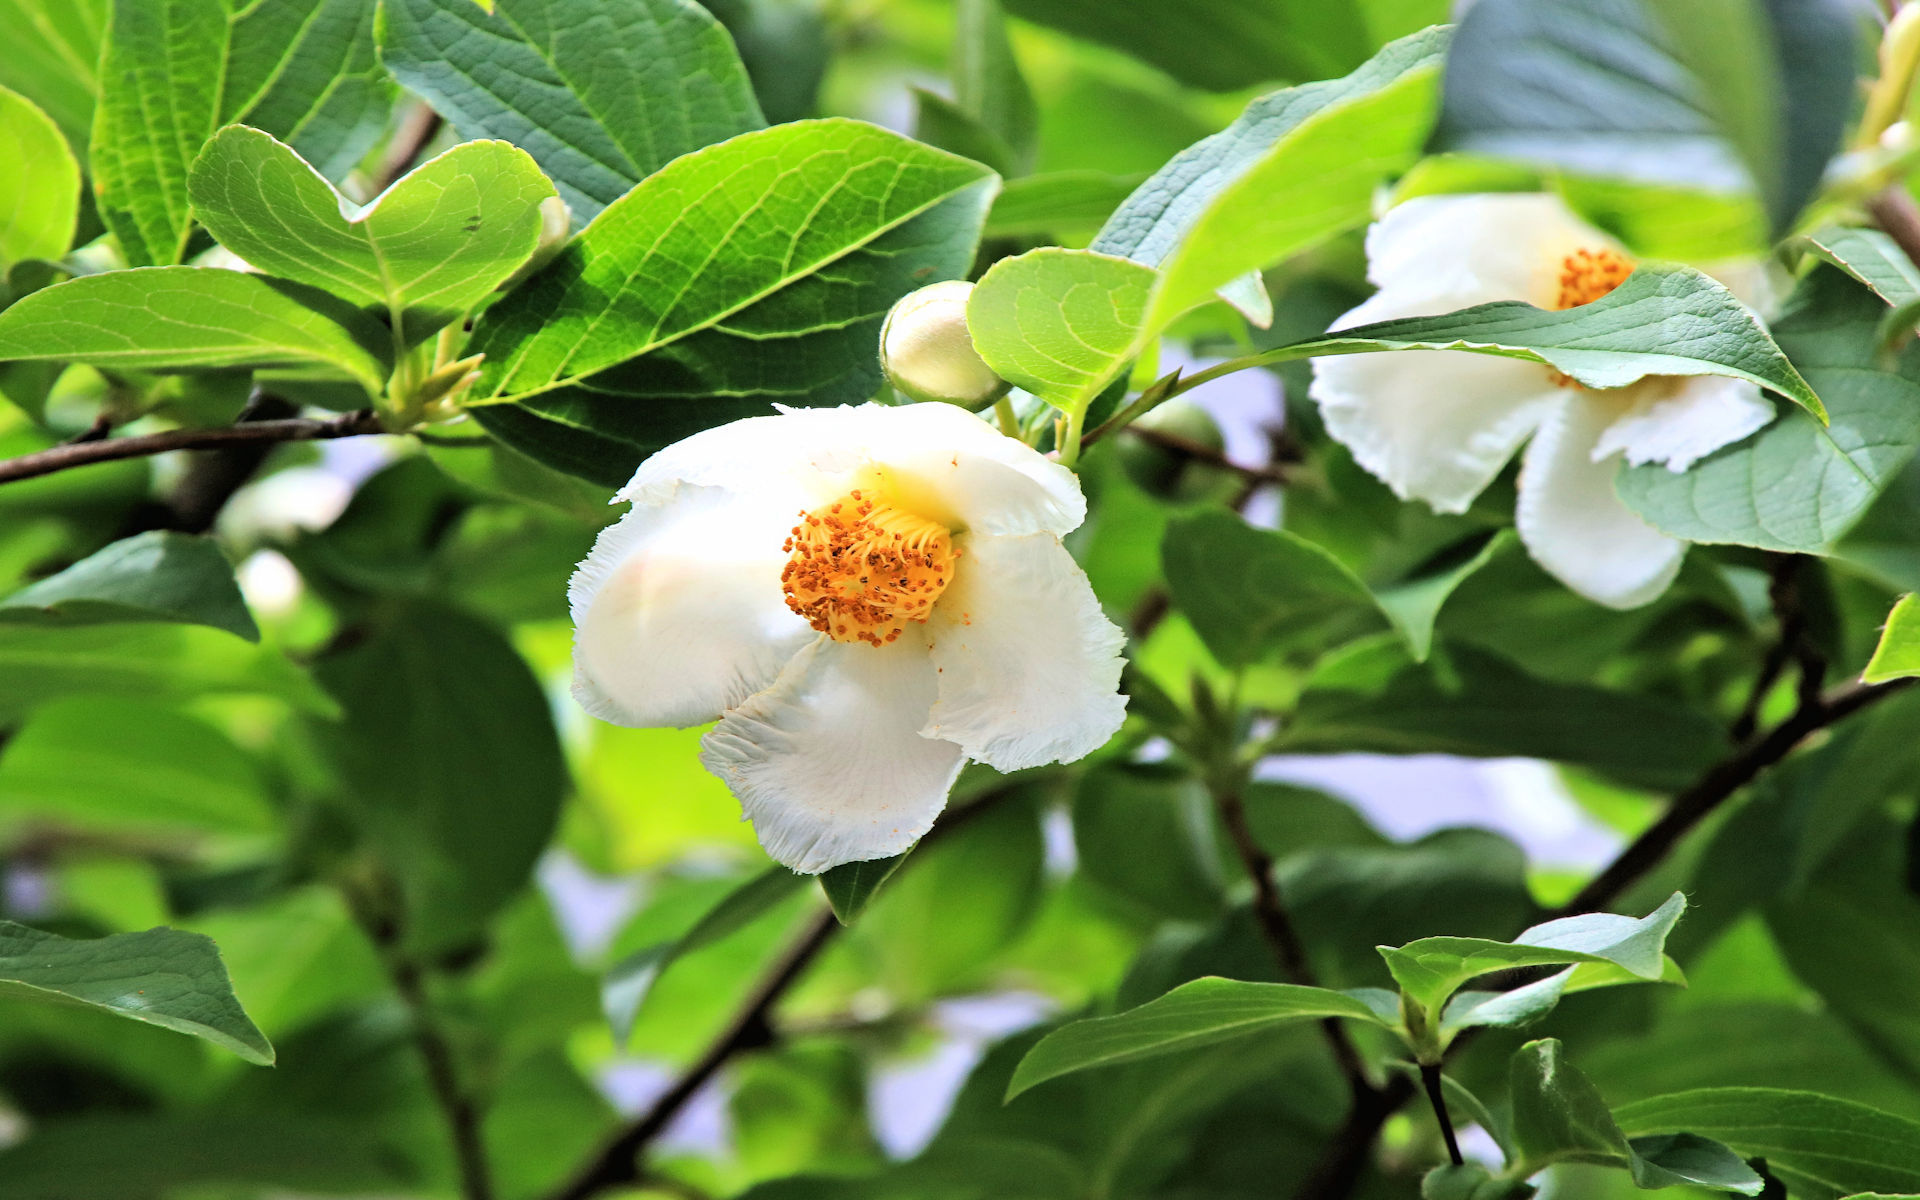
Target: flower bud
x=928, y=353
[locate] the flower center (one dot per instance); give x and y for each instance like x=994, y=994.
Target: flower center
x=1587, y=275
x=860, y=569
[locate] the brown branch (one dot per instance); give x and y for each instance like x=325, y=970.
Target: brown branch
x=1283, y=940
x=1201, y=452
x=409, y=142
x=1894, y=211
x=80, y=454
x=618, y=1162
x=436, y=1052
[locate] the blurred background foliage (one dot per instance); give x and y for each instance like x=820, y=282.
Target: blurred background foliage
x=427, y=870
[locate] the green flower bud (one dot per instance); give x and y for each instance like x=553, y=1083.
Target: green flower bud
x=928, y=353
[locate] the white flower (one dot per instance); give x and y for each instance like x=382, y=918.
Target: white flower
x=1439, y=425
x=866, y=598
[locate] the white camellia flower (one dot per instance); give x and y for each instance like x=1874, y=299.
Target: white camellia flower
x=1438, y=425
x=866, y=598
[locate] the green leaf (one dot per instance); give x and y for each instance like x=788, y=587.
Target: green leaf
x=1190, y=1016
x=163, y=977
x=428, y=249
x=54, y=59
x=1413, y=604
x=449, y=764
x=1371, y=697
x=1821, y=1147
x=1664, y=320
x=987, y=84
x=1724, y=96
x=1432, y=969
x=147, y=661
x=1559, y=1116
x=1470, y=1181
x=174, y=71
x=1898, y=654
x=1295, y=168
x=1060, y=323
x=628, y=981
x=1226, y=45
x=39, y=184
x=850, y=887
x=1251, y=593
x=1056, y=201
x=1871, y=257
x=724, y=247
x=1145, y=833
x=117, y=765
x=601, y=98
x=156, y=576
x=326, y=94
x=1798, y=485
x=192, y=319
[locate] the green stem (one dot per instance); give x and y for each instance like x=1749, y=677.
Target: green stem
x=1070, y=437
x=1008, y=419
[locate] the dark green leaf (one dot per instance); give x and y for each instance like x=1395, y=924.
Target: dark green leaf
x=163, y=977
x=1821, y=1147
x=148, y=661
x=849, y=887
x=157, y=576
x=1191, y=1016
x=450, y=765
x=602, y=98
x=55, y=58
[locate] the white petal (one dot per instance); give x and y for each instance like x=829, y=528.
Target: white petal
x=1470, y=249
x=1575, y=526
x=1029, y=666
x=1436, y=425
x=945, y=462
x=828, y=763
x=1680, y=419
x=678, y=613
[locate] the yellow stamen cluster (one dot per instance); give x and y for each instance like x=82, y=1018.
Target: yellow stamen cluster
x=860, y=569
x=1587, y=275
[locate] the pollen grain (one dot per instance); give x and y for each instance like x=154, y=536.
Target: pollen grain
x=1587, y=275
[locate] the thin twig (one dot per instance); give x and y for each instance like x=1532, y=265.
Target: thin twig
x=436, y=1052
x=409, y=142
x=1791, y=645
x=618, y=1162
x=1283, y=940
x=1201, y=452
x=80, y=454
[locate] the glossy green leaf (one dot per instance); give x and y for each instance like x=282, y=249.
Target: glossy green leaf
x=628, y=981
x=143, y=661
x=39, y=184
x=1060, y=323
x=1664, y=320
x=1725, y=97
x=1296, y=168
x=1898, y=654
x=163, y=977
x=174, y=71
x=1798, y=485
x=850, y=887
x=1372, y=697
x=1821, y=1147
x=1871, y=257
x=156, y=576
x=457, y=796
x=428, y=249
x=1196, y=1014
x=1413, y=604
x=601, y=97
x=55, y=59
x=192, y=318
x=674, y=284
x=1432, y=969
x=111, y=766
